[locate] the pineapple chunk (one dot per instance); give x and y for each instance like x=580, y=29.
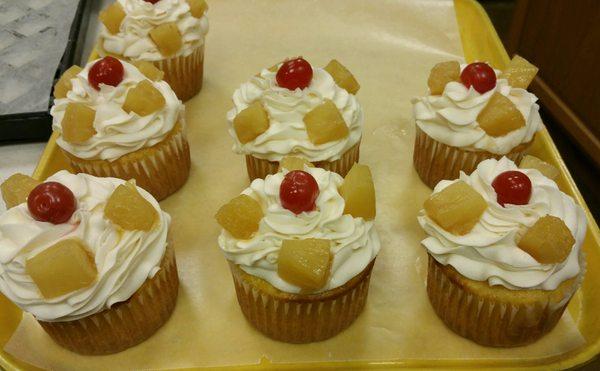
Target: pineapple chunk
x=149, y=70
x=143, y=99
x=78, y=123
x=112, y=17
x=548, y=241
x=63, y=85
x=457, y=208
x=441, y=74
x=519, y=72
x=358, y=192
x=167, y=38
x=62, y=268
x=532, y=162
x=305, y=263
x=240, y=216
x=342, y=77
x=325, y=123
x=294, y=163
x=251, y=122
x=197, y=7
x=17, y=188
x=500, y=116
x=129, y=210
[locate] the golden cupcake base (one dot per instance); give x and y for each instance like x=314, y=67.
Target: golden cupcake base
x=184, y=74
x=161, y=169
x=435, y=161
x=300, y=318
x=259, y=168
x=493, y=315
x=127, y=323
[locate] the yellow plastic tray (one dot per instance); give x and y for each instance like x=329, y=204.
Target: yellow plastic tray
x=480, y=42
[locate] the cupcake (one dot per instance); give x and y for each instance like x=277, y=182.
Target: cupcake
x=295, y=109
x=301, y=245
x=505, y=257
x=90, y=258
x=473, y=113
x=167, y=33
x=115, y=120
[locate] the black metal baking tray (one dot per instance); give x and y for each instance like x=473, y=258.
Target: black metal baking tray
x=37, y=126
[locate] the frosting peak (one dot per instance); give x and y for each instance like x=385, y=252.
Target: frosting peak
x=117, y=132
x=489, y=252
x=451, y=118
x=124, y=259
x=355, y=242
x=286, y=109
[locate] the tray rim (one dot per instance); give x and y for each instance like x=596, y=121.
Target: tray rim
x=469, y=13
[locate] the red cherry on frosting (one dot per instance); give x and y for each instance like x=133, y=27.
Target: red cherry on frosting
x=480, y=76
x=295, y=73
x=152, y=1
x=108, y=70
x=298, y=191
x=512, y=187
x=51, y=202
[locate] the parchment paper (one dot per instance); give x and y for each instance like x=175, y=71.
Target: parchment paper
x=390, y=47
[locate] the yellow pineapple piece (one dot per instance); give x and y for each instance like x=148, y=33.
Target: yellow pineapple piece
x=441, y=74
x=62, y=268
x=500, y=116
x=251, y=122
x=305, y=263
x=63, y=85
x=112, y=17
x=457, y=208
x=342, y=77
x=294, y=163
x=17, y=188
x=144, y=99
x=549, y=240
x=197, y=7
x=358, y=192
x=325, y=123
x=532, y=162
x=519, y=72
x=78, y=123
x=240, y=216
x=129, y=210
x=167, y=38
x=149, y=70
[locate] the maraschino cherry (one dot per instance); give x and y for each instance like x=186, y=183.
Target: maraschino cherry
x=298, y=191
x=51, y=202
x=108, y=70
x=152, y=1
x=480, y=76
x=512, y=187
x=295, y=73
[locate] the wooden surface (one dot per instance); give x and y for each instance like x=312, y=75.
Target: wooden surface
x=562, y=37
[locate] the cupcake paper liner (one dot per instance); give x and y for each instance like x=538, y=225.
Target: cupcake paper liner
x=160, y=170
x=127, y=323
x=505, y=318
x=435, y=161
x=259, y=168
x=185, y=73
x=300, y=318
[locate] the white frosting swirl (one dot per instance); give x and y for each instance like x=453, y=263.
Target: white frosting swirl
x=286, y=108
x=451, y=118
x=133, y=39
x=117, y=132
x=489, y=252
x=355, y=242
x=124, y=259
